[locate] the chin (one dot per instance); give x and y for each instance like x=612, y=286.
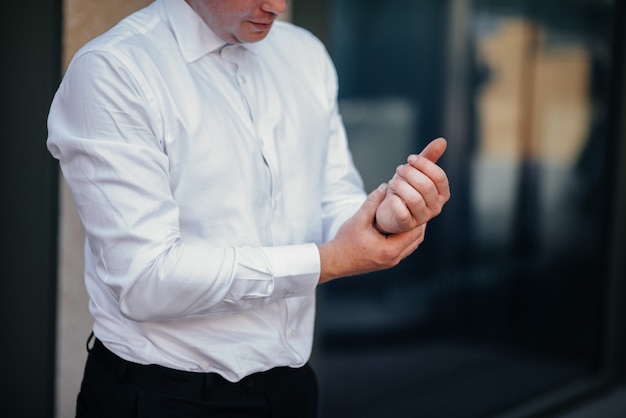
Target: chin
x=252, y=38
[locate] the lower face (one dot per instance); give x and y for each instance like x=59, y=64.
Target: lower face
x=237, y=21
x=252, y=31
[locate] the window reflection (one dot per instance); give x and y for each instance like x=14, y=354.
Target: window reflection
x=504, y=301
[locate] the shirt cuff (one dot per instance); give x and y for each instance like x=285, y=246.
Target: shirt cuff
x=296, y=269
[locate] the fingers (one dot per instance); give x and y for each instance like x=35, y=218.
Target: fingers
x=422, y=184
x=435, y=175
x=415, y=194
x=425, y=163
x=414, y=186
x=435, y=149
x=423, y=187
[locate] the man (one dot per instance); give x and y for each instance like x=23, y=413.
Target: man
x=204, y=150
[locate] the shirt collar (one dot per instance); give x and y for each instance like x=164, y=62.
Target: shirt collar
x=195, y=39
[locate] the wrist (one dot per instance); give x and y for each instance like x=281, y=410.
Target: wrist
x=328, y=264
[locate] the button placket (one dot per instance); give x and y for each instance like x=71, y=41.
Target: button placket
x=232, y=55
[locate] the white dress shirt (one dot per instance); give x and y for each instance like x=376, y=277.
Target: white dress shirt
x=204, y=174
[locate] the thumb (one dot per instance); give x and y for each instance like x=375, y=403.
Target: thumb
x=373, y=201
x=435, y=149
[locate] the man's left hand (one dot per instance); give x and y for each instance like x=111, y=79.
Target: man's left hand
x=416, y=193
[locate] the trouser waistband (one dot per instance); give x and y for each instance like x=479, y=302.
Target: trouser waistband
x=182, y=383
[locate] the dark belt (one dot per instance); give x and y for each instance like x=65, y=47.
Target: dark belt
x=181, y=383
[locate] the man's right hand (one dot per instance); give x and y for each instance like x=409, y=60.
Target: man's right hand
x=360, y=248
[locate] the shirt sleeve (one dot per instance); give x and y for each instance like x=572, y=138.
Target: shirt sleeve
x=106, y=130
x=343, y=186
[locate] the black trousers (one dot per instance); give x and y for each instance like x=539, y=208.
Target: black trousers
x=115, y=388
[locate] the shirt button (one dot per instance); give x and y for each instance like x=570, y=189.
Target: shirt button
x=288, y=294
x=243, y=79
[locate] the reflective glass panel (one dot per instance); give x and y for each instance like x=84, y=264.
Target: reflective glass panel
x=505, y=299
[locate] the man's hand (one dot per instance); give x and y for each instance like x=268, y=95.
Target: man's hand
x=360, y=248
x=416, y=193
